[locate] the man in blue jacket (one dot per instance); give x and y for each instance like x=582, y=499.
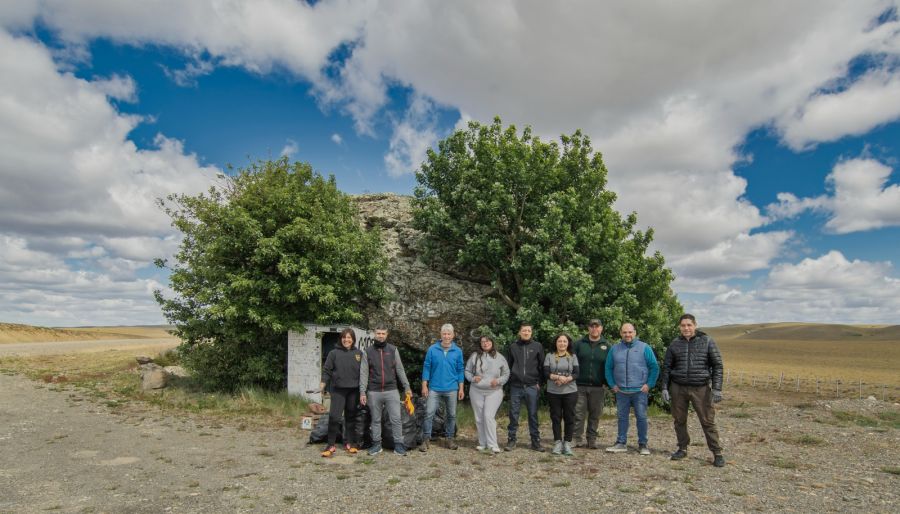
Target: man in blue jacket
x=443, y=379
x=631, y=371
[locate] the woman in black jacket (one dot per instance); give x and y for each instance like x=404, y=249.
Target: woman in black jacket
x=341, y=374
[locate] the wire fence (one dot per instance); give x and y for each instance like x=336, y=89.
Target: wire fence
x=829, y=387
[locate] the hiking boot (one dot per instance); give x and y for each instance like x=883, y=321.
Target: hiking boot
x=424, y=446
x=592, y=444
x=719, y=461
x=375, y=449
x=579, y=443
x=510, y=445
x=351, y=448
x=557, y=448
x=617, y=448
x=679, y=454
x=329, y=451
x=451, y=444
x=643, y=450
x=567, y=449
x=400, y=450
x=536, y=446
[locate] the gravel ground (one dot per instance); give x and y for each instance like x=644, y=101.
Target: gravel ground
x=62, y=451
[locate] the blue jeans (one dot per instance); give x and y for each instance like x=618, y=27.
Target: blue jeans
x=448, y=398
x=530, y=393
x=624, y=403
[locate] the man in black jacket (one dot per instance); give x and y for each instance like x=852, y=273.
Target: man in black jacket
x=526, y=374
x=692, y=370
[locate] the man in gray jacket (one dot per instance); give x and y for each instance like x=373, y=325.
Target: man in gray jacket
x=692, y=373
x=379, y=372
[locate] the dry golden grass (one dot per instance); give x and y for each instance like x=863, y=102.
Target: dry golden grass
x=15, y=333
x=847, y=352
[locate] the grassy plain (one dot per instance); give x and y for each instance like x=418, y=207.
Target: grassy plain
x=847, y=352
x=15, y=333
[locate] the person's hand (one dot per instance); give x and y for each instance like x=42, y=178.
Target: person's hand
x=462, y=394
x=495, y=382
x=666, y=396
x=476, y=379
x=424, y=390
x=645, y=388
x=615, y=389
x=362, y=399
x=717, y=396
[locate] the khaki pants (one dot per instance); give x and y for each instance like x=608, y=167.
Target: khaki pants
x=701, y=398
x=589, y=408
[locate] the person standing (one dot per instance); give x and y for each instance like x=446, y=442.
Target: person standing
x=561, y=370
x=692, y=373
x=379, y=372
x=341, y=373
x=443, y=382
x=591, y=351
x=631, y=371
x=526, y=375
x=487, y=371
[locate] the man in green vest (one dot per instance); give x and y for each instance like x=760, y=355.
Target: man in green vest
x=591, y=351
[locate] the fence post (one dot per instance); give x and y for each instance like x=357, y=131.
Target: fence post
x=798, y=383
x=837, y=387
x=728, y=377
x=817, y=386
x=780, y=380
x=882, y=392
x=860, y=389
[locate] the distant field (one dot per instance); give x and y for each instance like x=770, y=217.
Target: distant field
x=15, y=333
x=847, y=352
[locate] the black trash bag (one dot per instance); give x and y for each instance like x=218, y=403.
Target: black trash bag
x=411, y=425
x=319, y=433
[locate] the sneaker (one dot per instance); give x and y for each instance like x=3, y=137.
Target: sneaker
x=496, y=449
x=557, y=448
x=451, y=444
x=679, y=454
x=567, y=449
x=510, y=445
x=617, y=448
x=579, y=443
x=375, y=449
x=424, y=446
x=399, y=450
x=536, y=446
x=480, y=448
x=329, y=451
x=719, y=461
x=644, y=450
x=351, y=449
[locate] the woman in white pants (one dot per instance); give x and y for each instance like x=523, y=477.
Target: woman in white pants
x=487, y=371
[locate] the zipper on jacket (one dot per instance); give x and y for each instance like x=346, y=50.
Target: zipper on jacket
x=382, y=370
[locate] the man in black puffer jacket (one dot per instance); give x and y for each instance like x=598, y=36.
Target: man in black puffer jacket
x=692, y=370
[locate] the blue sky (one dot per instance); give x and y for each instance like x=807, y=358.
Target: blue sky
x=766, y=165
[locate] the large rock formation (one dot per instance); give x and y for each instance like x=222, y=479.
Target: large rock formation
x=422, y=298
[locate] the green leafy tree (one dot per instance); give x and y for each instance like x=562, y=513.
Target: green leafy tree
x=276, y=246
x=534, y=220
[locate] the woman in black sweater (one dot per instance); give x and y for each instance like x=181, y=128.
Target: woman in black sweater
x=341, y=373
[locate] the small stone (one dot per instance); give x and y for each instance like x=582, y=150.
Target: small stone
x=143, y=359
x=177, y=371
x=871, y=399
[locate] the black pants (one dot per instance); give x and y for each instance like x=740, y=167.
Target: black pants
x=562, y=408
x=344, y=402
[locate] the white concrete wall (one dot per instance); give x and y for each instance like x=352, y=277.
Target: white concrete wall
x=305, y=357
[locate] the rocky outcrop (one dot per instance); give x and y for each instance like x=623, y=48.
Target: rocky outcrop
x=422, y=298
